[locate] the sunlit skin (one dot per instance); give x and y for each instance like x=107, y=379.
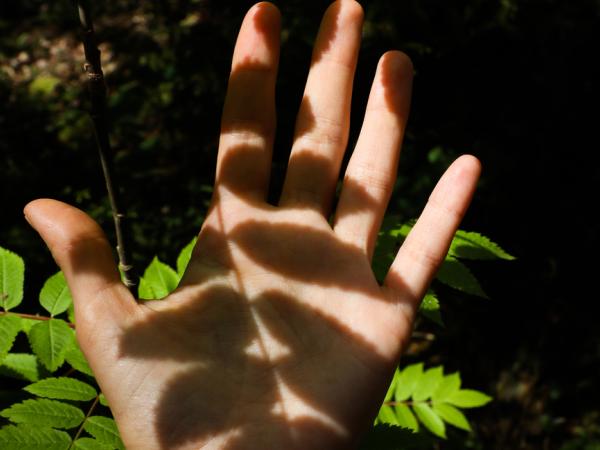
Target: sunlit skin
x=279, y=336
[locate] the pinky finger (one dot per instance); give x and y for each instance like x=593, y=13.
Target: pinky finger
x=427, y=244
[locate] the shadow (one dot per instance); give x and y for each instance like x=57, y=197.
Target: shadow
x=227, y=378
x=265, y=342
x=279, y=334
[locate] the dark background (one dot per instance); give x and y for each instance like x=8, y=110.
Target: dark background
x=511, y=81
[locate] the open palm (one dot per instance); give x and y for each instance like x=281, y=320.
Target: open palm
x=278, y=336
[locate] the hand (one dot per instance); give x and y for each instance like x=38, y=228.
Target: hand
x=279, y=335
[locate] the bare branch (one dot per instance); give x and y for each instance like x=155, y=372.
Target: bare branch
x=98, y=113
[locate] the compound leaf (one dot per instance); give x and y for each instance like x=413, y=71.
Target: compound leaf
x=55, y=295
x=44, y=413
x=50, y=341
x=62, y=388
x=27, y=437
x=12, y=275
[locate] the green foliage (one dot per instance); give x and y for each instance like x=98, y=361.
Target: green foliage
x=159, y=279
x=470, y=245
x=104, y=430
x=415, y=397
x=430, y=398
x=58, y=402
x=44, y=412
x=50, y=340
x=455, y=274
x=452, y=272
x=12, y=274
x=184, y=257
x=22, y=365
x=21, y=437
x=55, y=296
x=87, y=443
x=9, y=328
x=63, y=388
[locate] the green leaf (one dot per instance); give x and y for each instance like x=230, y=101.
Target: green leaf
x=12, y=275
x=75, y=357
x=455, y=274
x=430, y=308
x=104, y=429
x=184, y=257
x=449, y=385
x=44, y=413
x=55, y=296
x=158, y=281
x=62, y=388
x=428, y=382
x=9, y=328
x=469, y=245
x=387, y=415
x=452, y=415
x=50, y=340
x=87, y=443
x=407, y=381
x=406, y=418
x=27, y=437
x=468, y=398
x=22, y=365
x=430, y=419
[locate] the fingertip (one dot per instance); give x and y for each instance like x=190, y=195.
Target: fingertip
x=266, y=16
x=346, y=10
x=397, y=62
x=467, y=167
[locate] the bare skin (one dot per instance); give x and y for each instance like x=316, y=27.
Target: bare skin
x=279, y=336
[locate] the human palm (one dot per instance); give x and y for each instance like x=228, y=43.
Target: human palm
x=278, y=336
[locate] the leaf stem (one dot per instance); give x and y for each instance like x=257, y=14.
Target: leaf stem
x=89, y=413
x=32, y=316
x=98, y=113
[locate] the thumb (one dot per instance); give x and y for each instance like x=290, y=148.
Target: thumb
x=83, y=253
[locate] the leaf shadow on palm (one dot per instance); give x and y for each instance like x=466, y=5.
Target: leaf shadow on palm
x=260, y=361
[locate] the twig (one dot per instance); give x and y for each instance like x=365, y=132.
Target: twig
x=32, y=316
x=97, y=91
x=89, y=413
